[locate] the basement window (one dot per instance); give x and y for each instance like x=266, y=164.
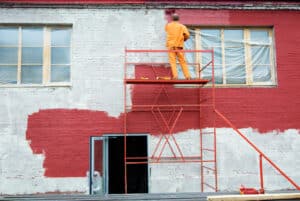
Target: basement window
x=242, y=56
x=34, y=55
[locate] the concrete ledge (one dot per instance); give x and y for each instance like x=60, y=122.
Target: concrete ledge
x=279, y=196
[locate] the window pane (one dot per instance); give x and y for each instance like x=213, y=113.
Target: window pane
x=60, y=37
x=259, y=37
x=235, y=56
x=206, y=57
x=260, y=55
x=31, y=74
x=9, y=36
x=191, y=60
x=261, y=73
x=32, y=37
x=236, y=74
x=60, y=73
x=32, y=55
x=8, y=74
x=233, y=38
x=207, y=73
x=60, y=55
x=210, y=38
x=218, y=74
x=218, y=56
x=8, y=55
x=231, y=60
x=190, y=45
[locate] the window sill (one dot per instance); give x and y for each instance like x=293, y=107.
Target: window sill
x=229, y=86
x=36, y=85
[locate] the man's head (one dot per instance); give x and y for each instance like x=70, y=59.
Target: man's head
x=175, y=17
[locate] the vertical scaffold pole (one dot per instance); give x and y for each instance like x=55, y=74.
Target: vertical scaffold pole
x=214, y=118
x=261, y=173
x=125, y=122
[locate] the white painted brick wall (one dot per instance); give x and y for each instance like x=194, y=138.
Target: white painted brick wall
x=98, y=42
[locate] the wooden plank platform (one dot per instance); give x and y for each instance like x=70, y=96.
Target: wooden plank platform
x=277, y=196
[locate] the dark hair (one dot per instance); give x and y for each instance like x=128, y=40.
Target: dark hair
x=175, y=17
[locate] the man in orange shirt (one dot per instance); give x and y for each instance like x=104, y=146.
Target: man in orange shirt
x=177, y=33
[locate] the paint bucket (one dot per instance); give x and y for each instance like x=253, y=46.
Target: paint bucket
x=244, y=190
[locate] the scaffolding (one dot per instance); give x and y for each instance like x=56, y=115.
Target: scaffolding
x=161, y=102
x=166, y=112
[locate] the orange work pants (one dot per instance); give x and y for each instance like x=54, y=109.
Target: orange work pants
x=181, y=59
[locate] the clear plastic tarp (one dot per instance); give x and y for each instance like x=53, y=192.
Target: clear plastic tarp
x=241, y=56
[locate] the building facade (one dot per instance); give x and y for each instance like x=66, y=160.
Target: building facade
x=61, y=84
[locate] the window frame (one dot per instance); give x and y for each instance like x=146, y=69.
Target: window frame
x=46, y=55
x=247, y=54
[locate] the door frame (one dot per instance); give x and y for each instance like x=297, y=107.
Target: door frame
x=105, y=164
x=91, y=160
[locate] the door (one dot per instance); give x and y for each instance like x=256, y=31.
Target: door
x=107, y=167
x=136, y=173
x=96, y=169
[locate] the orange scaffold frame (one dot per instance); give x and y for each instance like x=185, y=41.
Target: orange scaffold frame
x=165, y=124
x=157, y=110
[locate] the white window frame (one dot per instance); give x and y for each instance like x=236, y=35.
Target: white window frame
x=46, y=65
x=249, y=75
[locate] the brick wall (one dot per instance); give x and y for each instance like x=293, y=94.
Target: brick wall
x=45, y=130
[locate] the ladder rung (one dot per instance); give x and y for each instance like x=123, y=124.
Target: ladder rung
x=209, y=168
x=214, y=188
x=208, y=149
x=207, y=133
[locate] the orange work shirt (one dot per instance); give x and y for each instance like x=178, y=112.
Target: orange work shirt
x=176, y=34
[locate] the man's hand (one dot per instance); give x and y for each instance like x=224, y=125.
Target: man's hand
x=185, y=37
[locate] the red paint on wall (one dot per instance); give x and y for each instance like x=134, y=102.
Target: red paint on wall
x=63, y=135
x=264, y=109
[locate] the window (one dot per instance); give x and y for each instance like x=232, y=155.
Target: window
x=242, y=56
x=34, y=55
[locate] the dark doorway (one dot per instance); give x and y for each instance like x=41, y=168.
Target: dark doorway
x=137, y=174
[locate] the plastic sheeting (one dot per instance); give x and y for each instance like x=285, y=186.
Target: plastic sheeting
x=237, y=59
